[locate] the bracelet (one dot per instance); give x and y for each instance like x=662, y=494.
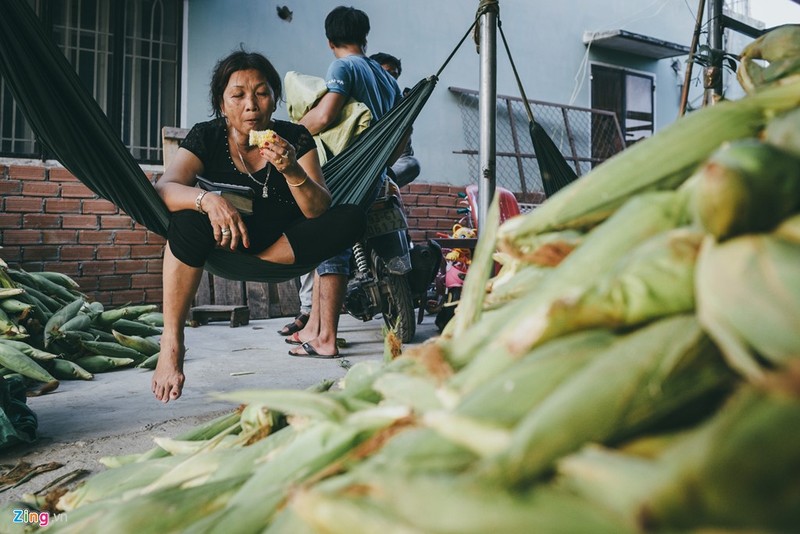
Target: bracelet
x=297, y=185
x=199, y=200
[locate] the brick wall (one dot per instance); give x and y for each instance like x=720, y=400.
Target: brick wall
x=49, y=221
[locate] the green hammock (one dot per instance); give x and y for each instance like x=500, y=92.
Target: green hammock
x=68, y=120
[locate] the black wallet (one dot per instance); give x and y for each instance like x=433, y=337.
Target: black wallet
x=240, y=196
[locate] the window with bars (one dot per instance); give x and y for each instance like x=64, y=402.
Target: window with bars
x=127, y=54
x=629, y=95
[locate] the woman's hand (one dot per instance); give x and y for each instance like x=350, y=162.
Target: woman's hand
x=281, y=154
x=226, y=221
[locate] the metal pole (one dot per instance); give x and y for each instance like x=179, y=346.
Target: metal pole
x=487, y=111
x=713, y=76
x=698, y=26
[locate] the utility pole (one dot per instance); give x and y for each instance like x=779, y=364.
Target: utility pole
x=713, y=73
x=487, y=106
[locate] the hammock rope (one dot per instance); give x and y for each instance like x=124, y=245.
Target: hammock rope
x=556, y=173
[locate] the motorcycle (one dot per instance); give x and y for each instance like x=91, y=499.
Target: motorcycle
x=389, y=275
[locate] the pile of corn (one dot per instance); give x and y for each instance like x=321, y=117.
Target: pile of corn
x=49, y=331
x=629, y=369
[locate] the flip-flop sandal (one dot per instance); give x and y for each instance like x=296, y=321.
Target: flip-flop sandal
x=311, y=352
x=294, y=339
x=295, y=326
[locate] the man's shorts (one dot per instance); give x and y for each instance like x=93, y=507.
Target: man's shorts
x=339, y=264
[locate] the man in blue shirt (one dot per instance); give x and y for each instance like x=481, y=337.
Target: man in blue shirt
x=351, y=75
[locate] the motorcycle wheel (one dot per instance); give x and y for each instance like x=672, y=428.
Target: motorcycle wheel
x=397, y=305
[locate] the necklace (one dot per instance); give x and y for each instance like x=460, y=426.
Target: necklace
x=265, y=190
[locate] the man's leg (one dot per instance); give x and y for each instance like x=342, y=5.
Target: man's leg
x=330, y=289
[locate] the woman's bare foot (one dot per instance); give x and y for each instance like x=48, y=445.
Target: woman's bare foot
x=168, y=377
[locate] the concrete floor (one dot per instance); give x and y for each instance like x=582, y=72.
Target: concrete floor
x=116, y=414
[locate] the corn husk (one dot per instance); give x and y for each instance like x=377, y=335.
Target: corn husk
x=618, y=482
x=784, y=132
x=639, y=220
x=739, y=470
x=746, y=186
x=780, y=48
x=654, y=280
x=440, y=504
x=748, y=299
x=167, y=510
x=650, y=374
x=508, y=396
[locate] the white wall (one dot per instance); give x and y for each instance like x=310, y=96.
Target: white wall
x=545, y=39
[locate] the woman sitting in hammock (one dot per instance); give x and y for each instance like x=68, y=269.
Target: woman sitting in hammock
x=292, y=221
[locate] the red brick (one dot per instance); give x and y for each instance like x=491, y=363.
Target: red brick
x=130, y=267
x=153, y=296
x=419, y=188
x=26, y=172
x=145, y=280
x=78, y=253
x=155, y=239
x=60, y=237
x=99, y=207
x=22, y=237
x=114, y=252
x=146, y=251
x=440, y=189
x=115, y=282
x=416, y=212
x=39, y=253
x=442, y=213
x=130, y=237
x=120, y=298
x=58, y=205
x=10, y=220
x=22, y=204
x=40, y=189
x=76, y=190
x=94, y=237
x=33, y=221
x=425, y=200
x=155, y=266
x=410, y=200
x=31, y=266
x=10, y=187
x=104, y=298
x=86, y=222
x=94, y=268
x=447, y=201
x=417, y=236
x=60, y=174
x=89, y=284
x=70, y=268
x=11, y=255
x=116, y=221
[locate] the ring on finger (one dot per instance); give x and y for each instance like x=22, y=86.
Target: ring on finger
x=225, y=231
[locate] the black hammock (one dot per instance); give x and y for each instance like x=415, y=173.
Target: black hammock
x=68, y=120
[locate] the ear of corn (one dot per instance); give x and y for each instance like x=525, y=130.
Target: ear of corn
x=749, y=299
x=732, y=471
x=784, y=132
x=506, y=397
x=649, y=374
x=639, y=220
x=780, y=47
x=68, y=370
x=17, y=361
x=746, y=186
